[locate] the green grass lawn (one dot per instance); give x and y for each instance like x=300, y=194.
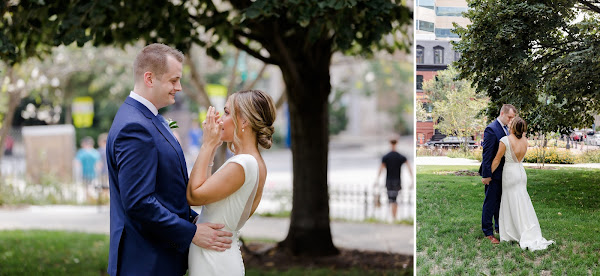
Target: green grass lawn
x=37, y=252
x=52, y=253
x=450, y=240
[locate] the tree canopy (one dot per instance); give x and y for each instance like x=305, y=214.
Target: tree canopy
x=541, y=56
x=456, y=107
x=299, y=36
x=353, y=26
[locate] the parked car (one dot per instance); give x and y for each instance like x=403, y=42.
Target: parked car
x=595, y=140
x=450, y=142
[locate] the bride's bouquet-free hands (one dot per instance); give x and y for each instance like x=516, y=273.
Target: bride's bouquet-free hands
x=212, y=129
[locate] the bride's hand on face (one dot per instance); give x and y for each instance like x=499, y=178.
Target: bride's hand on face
x=212, y=129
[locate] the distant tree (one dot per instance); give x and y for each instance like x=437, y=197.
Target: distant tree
x=338, y=120
x=421, y=114
x=392, y=82
x=456, y=108
x=23, y=35
x=299, y=37
x=541, y=56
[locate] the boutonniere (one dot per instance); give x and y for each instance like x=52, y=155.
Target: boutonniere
x=172, y=124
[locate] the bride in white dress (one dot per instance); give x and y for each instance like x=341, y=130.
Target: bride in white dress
x=517, y=220
x=231, y=195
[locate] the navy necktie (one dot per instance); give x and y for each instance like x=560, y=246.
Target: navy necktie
x=506, y=130
x=165, y=124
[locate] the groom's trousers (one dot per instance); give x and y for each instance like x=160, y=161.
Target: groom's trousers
x=491, y=207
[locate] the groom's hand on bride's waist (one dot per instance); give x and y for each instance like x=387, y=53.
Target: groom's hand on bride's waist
x=209, y=236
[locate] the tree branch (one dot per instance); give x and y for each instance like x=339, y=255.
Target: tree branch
x=258, y=76
x=233, y=71
x=287, y=58
x=590, y=6
x=187, y=90
x=251, y=36
x=237, y=43
x=201, y=97
x=240, y=4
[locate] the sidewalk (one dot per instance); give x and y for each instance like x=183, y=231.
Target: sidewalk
x=444, y=160
x=361, y=236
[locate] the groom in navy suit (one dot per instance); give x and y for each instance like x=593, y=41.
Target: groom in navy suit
x=493, y=182
x=151, y=223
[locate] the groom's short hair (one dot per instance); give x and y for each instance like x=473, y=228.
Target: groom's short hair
x=153, y=58
x=506, y=107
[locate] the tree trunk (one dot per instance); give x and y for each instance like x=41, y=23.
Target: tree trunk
x=13, y=103
x=308, y=87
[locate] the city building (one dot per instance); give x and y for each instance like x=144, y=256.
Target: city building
x=433, y=50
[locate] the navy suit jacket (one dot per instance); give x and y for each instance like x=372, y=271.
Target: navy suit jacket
x=491, y=139
x=150, y=220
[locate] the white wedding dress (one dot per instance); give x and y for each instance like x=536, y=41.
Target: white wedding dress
x=518, y=221
x=233, y=211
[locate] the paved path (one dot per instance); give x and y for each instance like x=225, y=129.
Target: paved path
x=362, y=236
x=444, y=160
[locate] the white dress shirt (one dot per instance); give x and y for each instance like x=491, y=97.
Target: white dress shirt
x=145, y=102
x=504, y=127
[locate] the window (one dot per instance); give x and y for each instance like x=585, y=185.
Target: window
x=442, y=32
x=438, y=55
x=450, y=11
x=420, y=54
x=456, y=56
x=419, y=82
x=429, y=4
x=428, y=108
x=425, y=26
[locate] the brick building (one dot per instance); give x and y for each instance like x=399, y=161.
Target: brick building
x=434, y=51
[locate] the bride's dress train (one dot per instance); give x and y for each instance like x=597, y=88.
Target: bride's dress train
x=233, y=211
x=518, y=221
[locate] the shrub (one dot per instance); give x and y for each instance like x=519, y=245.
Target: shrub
x=551, y=156
x=425, y=151
x=477, y=154
x=471, y=154
x=558, y=143
x=590, y=156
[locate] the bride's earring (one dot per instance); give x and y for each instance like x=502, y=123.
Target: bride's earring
x=242, y=130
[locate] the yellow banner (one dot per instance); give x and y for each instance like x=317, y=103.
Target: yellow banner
x=83, y=112
x=216, y=90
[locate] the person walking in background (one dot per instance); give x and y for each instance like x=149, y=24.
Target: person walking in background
x=392, y=162
x=102, y=165
x=88, y=158
x=194, y=142
x=195, y=137
x=8, y=145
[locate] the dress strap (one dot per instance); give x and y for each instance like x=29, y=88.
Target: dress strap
x=250, y=165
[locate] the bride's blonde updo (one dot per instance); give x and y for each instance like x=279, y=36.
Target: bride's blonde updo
x=258, y=109
x=518, y=127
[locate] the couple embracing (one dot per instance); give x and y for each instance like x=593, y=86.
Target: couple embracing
x=506, y=199
x=152, y=227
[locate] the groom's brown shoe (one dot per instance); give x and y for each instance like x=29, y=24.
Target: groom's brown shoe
x=493, y=239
